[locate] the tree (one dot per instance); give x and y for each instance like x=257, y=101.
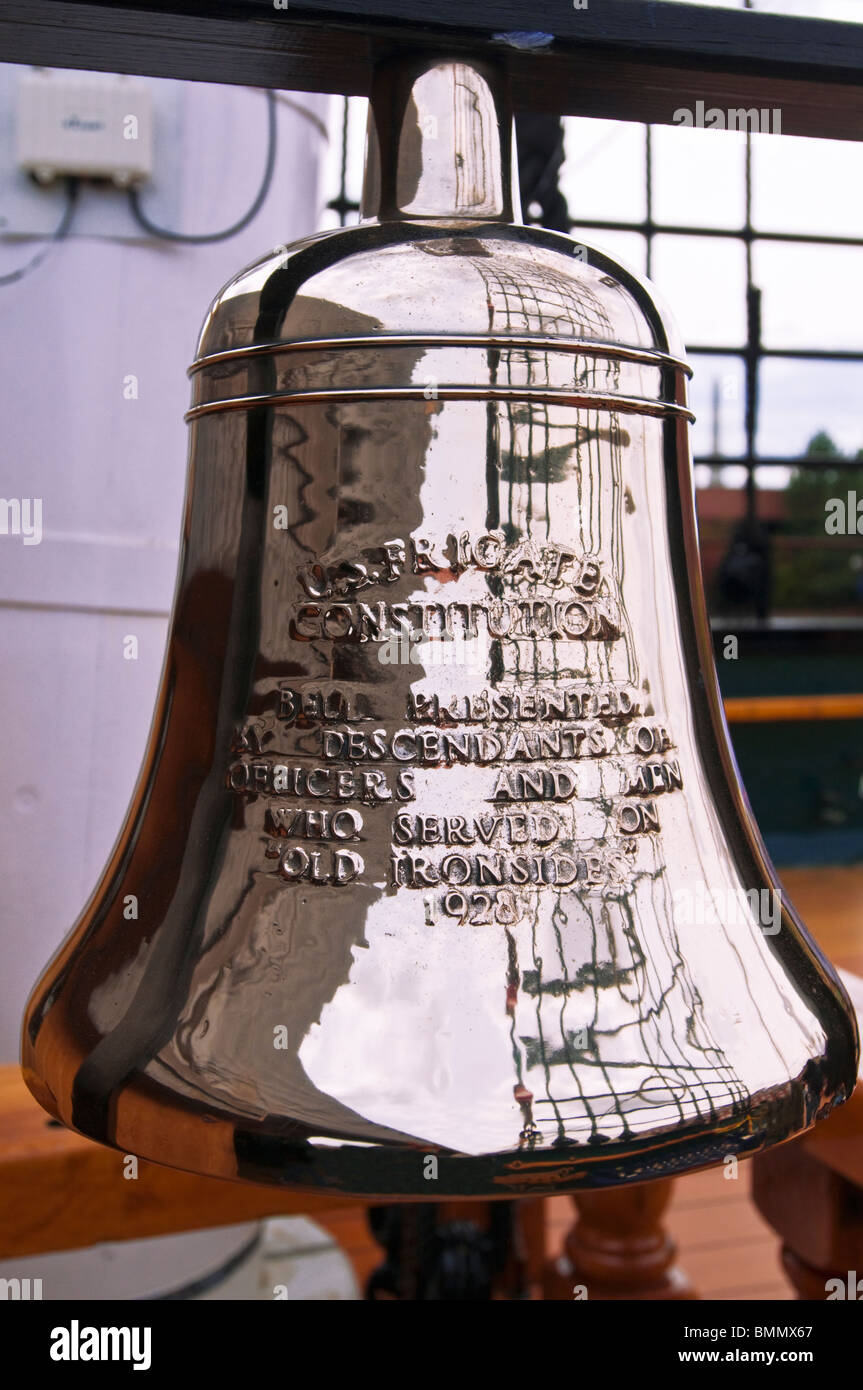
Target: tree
x=829, y=574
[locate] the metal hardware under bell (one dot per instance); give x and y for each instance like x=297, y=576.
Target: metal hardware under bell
x=446, y=880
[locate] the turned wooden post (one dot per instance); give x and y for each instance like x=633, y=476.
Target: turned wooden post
x=811, y=1190
x=816, y=1210
x=618, y=1248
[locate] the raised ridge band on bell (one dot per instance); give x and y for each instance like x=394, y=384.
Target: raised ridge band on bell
x=587, y=347
x=626, y=405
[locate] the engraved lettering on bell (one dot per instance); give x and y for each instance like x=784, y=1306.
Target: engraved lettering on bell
x=454, y=885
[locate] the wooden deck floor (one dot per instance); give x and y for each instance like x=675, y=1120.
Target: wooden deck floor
x=724, y=1246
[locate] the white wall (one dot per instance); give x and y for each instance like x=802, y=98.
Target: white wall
x=106, y=304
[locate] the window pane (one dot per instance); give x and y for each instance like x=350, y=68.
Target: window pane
x=698, y=177
x=800, y=399
x=771, y=479
x=603, y=175
x=331, y=169
x=803, y=185
x=813, y=567
x=630, y=248
x=716, y=395
x=847, y=10
x=811, y=296
x=704, y=281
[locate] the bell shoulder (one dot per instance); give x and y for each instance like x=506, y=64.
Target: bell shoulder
x=476, y=280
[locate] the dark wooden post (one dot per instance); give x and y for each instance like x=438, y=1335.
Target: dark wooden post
x=451, y=1251
x=818, y=1212
x=618, y=1248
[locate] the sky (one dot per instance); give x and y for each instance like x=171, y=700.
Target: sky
x=847, y=10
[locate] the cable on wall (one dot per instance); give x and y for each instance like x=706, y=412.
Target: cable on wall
x=199, y=239
x=60, y=231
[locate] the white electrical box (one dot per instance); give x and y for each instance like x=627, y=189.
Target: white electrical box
x=94, y=125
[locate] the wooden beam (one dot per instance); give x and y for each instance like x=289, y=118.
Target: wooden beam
x=60, y=1191
x=768, y=709
x=628, y=60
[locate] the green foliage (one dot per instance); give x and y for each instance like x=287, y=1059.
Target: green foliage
x=827, y=575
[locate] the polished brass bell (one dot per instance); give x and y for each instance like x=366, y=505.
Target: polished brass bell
x=446, y=881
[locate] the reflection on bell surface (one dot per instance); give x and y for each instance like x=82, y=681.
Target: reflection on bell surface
x=439, y=847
